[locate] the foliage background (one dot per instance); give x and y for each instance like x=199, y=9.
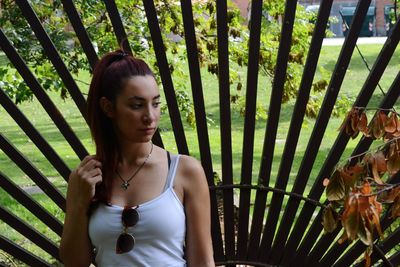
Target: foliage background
x=99, y=28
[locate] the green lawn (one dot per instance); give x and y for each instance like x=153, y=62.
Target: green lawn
x=355, y=77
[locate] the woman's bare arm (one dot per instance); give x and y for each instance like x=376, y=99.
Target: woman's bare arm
x=75, y=247
x=199, y=250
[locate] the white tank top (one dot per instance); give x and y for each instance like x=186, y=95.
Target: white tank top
x=159, y=233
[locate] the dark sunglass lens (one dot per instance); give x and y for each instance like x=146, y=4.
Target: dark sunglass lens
x=125, y=243
x=130, y=217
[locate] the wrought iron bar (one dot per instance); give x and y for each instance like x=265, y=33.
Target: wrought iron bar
x=361, y=55
x=324, y=242
x=334, y=253
x=80, y=31
x=197, y=90
x=118, y=26
x=267, y=188
x=378, y=250
x=349, y=257
x=384, y=247
x=271, y=130
x=52, y=53
x=356, y=250
x=34, y=135
x=43, y=98
x=225, y=127
x=342, y=139
x=166, y=79
x=20, y=253
x=321, y=246
x=301, y=254
x=285, y=166
x=27, y=231
x=363, y=145
x=157, y=139
x=394, y=259
x=305, y=247
x=29, y=203
x=32, y=172
x=242, y=263
x=249, y=127
x=201, y=121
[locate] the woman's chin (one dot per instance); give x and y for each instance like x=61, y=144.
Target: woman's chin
x=145, y=139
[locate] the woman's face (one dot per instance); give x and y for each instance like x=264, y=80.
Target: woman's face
x=136, y=112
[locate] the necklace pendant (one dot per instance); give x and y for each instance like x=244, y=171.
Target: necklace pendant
x=125, y=185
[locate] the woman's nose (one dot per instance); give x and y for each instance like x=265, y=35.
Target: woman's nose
x=148, y=116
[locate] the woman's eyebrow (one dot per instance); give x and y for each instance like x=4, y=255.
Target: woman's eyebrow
x=142, y=98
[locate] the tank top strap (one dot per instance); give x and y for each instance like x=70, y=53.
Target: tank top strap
x=172, y=171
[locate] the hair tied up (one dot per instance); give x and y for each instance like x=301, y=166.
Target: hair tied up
x=117, y=56
x=123, y=54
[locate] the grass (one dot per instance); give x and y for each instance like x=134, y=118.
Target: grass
x=352, y=84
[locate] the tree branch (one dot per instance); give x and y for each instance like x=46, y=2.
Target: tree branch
x=388, y=188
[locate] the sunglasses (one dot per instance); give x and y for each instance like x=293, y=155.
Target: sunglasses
x=126, y=241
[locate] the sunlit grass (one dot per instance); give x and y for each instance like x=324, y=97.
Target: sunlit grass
x=352, y=84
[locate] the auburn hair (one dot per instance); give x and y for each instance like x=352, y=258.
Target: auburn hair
x=109, y=77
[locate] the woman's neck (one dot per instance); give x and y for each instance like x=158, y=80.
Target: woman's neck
x=133, y=153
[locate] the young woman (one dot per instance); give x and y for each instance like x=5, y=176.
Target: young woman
x=133, y=203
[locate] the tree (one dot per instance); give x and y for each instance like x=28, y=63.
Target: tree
x=99, y=27
x=356, y=190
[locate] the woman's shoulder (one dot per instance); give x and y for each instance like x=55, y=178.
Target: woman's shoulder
x=191, y=171
x=189, y=165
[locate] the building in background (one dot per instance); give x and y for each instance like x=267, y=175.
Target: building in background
x=379, y=13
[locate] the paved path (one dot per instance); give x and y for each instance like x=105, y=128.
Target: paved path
x=361, y=40
x=30, y=190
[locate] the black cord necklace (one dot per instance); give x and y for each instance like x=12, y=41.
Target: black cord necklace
x=125, y=184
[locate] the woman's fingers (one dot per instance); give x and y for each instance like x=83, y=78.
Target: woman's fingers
x=97, y=179
x=86, y=160
x=87, y=165
x=91, y=164
x=90, y=161
x=82, y=182
x=94, y=172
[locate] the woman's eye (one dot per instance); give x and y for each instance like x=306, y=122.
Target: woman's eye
x=136, y=106
x=156, y=104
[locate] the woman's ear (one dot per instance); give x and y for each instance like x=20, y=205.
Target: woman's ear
x=107, y=107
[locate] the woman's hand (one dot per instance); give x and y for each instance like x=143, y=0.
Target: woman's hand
x=82, y=183
x=75, y=246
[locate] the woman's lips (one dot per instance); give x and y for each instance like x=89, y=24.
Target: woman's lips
x=148, y=130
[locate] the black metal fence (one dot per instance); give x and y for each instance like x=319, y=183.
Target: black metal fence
x=287, y=240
